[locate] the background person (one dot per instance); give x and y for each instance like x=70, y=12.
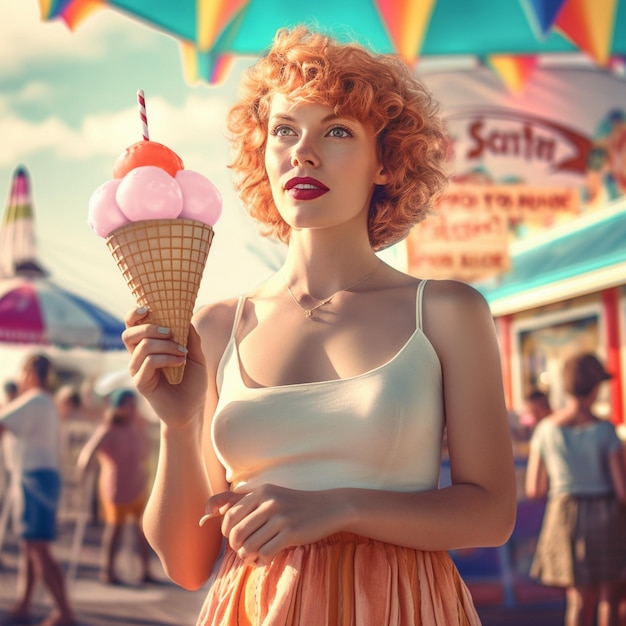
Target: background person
x=577, y=459
x=536, y=407
x=121, y=448
x=31, y=423
x=76, y=426
x=10, y=390
x=310, y=418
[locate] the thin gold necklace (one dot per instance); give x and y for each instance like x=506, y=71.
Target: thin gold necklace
x=309, y=312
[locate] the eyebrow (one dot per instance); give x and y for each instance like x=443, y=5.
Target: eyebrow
x=289, y=118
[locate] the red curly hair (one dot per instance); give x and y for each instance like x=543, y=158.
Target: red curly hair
x=378, y=90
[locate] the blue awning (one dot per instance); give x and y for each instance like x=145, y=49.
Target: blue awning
x=580, y=260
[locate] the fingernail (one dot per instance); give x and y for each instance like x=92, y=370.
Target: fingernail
x=205, y=518
x=182, y=349
x=141, y=310
x=163, y=330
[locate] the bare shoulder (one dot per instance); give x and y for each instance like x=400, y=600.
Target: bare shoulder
x=456, y=314
x=453, y=299
x=215, y=317
x=214, y=324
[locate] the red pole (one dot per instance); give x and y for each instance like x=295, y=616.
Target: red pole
x=610, y=304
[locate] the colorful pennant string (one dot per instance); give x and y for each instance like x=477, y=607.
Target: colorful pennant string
x=588, y=24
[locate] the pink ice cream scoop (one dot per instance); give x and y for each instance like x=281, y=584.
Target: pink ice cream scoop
x=148, y=192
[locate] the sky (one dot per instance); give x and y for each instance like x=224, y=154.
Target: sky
x=68, y=108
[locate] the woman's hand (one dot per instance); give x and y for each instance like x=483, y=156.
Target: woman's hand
x=263, y=522
x=152, y=348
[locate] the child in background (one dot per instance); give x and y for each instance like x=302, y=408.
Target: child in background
x=120, y=446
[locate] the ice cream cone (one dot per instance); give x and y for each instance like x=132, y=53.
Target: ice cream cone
x=162, y=261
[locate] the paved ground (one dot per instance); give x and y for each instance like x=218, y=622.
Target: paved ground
x=97, y=604
x=530, y=616
x=165, y=604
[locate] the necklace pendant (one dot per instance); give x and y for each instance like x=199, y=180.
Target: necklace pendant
x=308, y=313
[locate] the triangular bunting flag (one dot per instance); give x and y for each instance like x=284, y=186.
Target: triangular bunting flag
x=542, y=14
x=206, y=66
x=514, y=71
x=72, y=12
x=589, y=25
x=191, y=62
x=406, y=22
x=213, y=17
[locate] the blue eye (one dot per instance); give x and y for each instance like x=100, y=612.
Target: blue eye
x=281, y=131
x=340, y=132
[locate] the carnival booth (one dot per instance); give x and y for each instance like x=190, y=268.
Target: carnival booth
x=535, y=218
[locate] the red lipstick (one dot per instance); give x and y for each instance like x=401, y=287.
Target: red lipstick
x=305, y=188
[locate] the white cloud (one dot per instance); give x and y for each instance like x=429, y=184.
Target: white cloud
x=32, y=92
x=22, y=138
x=202, y=115
x=198, y=125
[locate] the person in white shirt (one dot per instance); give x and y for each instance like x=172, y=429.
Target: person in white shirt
x=30, y=423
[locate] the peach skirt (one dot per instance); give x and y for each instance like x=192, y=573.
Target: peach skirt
x=343, y=580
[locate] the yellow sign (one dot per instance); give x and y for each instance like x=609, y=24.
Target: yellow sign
x=514, y=201
x=461, y=244
x=468, y=237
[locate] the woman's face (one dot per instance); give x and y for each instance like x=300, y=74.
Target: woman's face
x=322, y=168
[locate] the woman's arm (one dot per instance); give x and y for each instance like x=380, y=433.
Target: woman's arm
x=187, y=470
x=478, y=509
x=176, y=504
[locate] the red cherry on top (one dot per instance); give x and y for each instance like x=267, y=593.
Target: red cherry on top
x=147, y=153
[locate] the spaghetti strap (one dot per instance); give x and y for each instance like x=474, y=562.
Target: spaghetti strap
x=238, y=314
x=230, y=346
x=418, y=303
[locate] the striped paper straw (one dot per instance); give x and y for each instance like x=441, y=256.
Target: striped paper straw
x=142, y=114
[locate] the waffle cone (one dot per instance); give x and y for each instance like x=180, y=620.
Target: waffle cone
x=162, y=261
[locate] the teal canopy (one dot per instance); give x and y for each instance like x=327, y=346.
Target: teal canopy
x=214, y=30
x=589, y=256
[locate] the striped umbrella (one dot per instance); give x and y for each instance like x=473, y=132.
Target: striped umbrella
x=36, y=311
x=33, y=309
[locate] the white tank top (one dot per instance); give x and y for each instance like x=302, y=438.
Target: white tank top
x=382, y=429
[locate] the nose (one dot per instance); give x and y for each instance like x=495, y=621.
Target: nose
x=304, y=153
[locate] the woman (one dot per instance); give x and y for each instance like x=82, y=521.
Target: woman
x=576, y=459
x=311, y=415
